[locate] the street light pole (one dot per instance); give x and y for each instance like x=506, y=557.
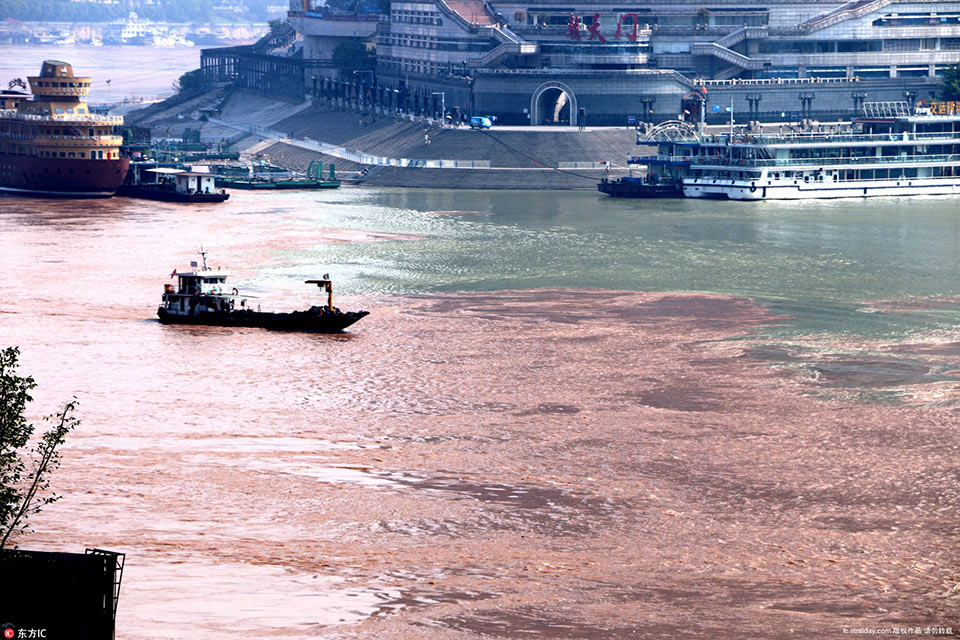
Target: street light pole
x=443, y=106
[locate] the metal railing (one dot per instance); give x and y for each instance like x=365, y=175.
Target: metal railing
x=933, y=160
x=826, y=138
x=60, y=118
x=776, y=81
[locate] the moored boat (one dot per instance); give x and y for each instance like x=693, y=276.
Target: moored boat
x=630, y=187
x=53, y=145
x=891, y=150
x=201, y=299
x=151, y=181
x=313, y=180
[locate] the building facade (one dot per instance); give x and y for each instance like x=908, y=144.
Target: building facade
x=598, y=62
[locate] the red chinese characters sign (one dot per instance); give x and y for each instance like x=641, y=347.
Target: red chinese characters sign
x=627, y=27
x=573, y=27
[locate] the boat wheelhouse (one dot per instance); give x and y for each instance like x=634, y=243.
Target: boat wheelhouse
x=887, y=152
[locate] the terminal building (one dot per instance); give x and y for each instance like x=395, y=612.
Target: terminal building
x=546, y=62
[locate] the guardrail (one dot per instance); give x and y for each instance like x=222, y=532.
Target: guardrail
x=61, y=117
x=932, y=160
x=821, y=138
x=776, y=81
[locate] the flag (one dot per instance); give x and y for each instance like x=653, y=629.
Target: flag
x=174, y=273
x=326, y=276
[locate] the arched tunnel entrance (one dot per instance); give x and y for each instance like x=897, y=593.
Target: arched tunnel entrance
x=553, y=103
x=554, y=107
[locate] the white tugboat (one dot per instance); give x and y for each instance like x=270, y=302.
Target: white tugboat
x=203, y=297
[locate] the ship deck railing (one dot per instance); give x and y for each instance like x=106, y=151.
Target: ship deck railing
x=70, y=117
x=832, y=162
x=826, y=138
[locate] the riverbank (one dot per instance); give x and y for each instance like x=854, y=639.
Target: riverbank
x=513, y=157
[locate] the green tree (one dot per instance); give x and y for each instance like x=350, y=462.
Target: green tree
x=950, y=83
x=190, y=81
x=353, y=54
x=276, y=25
x=25, y=472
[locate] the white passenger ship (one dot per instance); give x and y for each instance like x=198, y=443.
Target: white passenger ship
x=890, y=151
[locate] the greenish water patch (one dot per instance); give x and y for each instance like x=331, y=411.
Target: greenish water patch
x=822, y=263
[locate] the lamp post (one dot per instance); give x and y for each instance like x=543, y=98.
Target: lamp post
x=858, y=99
x=911, y=97
x=361, y=84
x=647, y=102
x=443, y=106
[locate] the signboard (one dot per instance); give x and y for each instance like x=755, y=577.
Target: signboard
x=944, y=108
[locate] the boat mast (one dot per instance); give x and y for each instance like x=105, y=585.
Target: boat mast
x=203, y=254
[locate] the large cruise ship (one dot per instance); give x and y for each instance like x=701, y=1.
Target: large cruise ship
x=51, y=145
x=890, y=151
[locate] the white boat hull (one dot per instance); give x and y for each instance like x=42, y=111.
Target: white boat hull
x=800, y=190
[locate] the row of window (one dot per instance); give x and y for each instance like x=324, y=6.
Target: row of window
x=62, y=85
x=417, y=17
x=534, y=16
x=423, y=42
x=96, y=154
x=21, y=129
x=396, y=65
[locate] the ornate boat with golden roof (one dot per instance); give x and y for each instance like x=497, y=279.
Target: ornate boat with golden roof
x=52, y=145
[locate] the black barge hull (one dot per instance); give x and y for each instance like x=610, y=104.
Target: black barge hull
x=638, y=189
x=313, y=321
x=168, y=195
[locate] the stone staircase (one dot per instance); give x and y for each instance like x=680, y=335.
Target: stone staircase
x=729, y=55
x=472, y=11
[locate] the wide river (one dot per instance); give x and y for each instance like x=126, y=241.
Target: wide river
x=117, y=73
x=566, y=416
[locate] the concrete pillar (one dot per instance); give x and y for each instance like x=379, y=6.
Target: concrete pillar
x=802, y=71
x=849, y=70
x=931, y=70
x=893, y=71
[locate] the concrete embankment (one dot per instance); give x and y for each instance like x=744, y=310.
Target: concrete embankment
x=527, y=158
x=513, y=158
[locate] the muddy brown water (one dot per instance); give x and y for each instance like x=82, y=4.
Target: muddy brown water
x=554, y=463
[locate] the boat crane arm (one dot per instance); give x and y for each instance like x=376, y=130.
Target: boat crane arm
x=327, y=285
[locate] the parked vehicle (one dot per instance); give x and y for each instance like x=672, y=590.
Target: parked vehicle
x=480, y=122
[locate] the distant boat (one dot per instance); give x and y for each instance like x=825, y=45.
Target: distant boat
x=201, y=298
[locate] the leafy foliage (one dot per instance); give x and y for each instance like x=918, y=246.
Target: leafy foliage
x=950, y=84
x=24, y=473
x=353, y=54
x=190, y=81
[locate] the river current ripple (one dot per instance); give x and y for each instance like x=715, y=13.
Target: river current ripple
x=565, y=417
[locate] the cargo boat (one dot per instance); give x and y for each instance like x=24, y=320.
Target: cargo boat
x=52, y=145
x=169, y=183
x=313, y=180
x=201, y=299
